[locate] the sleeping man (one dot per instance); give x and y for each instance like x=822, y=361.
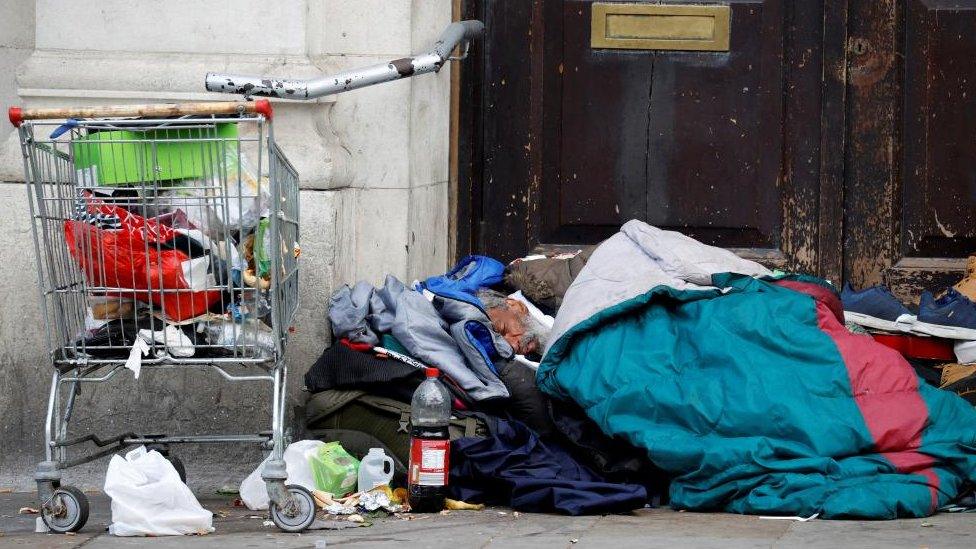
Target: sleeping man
x=510, y=319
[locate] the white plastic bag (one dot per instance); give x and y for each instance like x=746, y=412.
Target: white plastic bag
x=149, y=499
x=250, y=332
x=254, y=493
x=235, y=200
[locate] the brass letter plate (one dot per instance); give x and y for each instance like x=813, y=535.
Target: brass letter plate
x=660, y=27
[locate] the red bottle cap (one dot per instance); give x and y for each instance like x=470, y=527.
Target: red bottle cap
x=432, y=372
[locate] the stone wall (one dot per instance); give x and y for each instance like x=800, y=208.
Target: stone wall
x=373, y=166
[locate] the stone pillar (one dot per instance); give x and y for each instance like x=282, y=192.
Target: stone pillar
x=394, y=220
x=16, y=45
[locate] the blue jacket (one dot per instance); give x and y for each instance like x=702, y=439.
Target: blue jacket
x=466, y=278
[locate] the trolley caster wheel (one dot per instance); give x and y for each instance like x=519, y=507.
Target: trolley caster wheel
x=67, y=511
x=298, y=514
x=178, y=465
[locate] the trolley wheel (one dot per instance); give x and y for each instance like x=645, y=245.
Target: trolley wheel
x=298, y=514
x=178, y=465
x=67, y=511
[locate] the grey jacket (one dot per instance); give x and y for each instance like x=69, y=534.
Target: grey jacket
x=433, y=333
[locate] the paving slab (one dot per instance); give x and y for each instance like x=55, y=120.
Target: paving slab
x=500, y=527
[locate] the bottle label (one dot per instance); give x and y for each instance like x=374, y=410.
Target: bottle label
x=429, y=461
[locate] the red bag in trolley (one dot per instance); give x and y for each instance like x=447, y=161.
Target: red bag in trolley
x=129, y=256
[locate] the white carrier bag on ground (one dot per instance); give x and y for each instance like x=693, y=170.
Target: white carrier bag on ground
x=254, y=493
x=149, y=499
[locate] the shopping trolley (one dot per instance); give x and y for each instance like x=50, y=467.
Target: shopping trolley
x=167, y=237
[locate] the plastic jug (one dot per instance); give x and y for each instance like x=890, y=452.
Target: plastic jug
x=376, y=469
x=334, y=469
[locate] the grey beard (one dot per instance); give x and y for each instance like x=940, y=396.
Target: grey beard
x=534, y=331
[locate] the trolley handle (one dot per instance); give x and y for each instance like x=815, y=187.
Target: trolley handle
x=17, y=115
x=460, y=32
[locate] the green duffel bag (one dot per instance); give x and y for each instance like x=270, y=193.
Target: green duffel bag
x=361, y=421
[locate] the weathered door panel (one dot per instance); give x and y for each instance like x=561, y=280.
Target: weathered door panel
x=910, y=198
x=689, y=140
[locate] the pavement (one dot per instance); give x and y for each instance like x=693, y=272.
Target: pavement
x=499, y=527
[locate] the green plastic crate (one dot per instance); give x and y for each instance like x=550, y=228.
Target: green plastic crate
x=124, y=157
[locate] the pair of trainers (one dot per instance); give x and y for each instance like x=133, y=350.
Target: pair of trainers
x=951, y=315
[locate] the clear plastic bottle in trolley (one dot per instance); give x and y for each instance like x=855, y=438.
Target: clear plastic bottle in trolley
x=430, y=444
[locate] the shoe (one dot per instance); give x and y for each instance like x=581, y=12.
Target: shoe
x=876, y=307
x=952, y=316
x=960, y=379
x=967, y=286
x=965, y=351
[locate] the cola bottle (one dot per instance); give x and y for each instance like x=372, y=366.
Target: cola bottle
x=430, y=444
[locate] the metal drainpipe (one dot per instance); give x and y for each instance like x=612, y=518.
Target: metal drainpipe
x=453, y=35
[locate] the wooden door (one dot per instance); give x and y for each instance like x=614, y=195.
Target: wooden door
x=910, y=198
x=740, y=148
x=832, y=137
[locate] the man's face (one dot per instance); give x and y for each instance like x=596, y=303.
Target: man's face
x=507, y=321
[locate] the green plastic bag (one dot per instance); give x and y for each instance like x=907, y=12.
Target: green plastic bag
x=334, y=469
x=262, y=248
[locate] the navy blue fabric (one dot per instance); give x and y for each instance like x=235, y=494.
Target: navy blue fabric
x=513, y=467
x=952, y=309
x=467, y=277
x=876, y=301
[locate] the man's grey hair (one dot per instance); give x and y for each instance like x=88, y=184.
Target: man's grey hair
x=492, y=299
x=534, y=330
